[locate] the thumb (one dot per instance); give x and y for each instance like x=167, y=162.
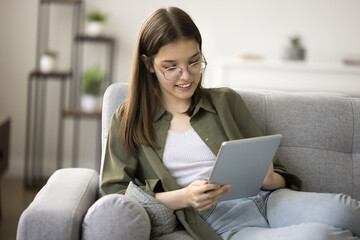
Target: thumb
x=197, y=183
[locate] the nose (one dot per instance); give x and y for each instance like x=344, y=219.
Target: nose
x=185, y=75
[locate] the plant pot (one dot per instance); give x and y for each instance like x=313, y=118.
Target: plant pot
x=90, y=103
x=47, y=63
x=94, y=28
x=296, y=53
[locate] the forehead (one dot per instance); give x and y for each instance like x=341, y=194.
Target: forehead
x=179, y=50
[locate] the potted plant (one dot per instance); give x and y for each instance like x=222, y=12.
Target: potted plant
x=295, y=50
x=95, y=22
x=48, y=61
x=92, y=86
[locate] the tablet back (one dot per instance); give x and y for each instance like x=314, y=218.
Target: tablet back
x=244, y=164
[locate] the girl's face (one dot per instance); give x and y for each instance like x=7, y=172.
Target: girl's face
x=181, y=54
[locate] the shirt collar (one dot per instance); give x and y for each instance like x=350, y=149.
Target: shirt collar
x=205, y=104
x=159, y=111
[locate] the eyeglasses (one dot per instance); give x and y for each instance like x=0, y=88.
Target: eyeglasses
x=174, y=73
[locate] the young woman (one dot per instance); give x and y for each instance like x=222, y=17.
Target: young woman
x=168, y=132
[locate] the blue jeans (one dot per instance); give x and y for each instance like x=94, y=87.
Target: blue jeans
x=286, y=214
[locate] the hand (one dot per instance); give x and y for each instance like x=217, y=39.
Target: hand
x=203, y=195
x=273, y=180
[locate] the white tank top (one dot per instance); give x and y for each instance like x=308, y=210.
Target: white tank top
x=187, y=157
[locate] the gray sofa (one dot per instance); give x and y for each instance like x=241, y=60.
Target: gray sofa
x=321, y=145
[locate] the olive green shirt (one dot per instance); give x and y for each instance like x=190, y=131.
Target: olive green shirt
x=221, y=115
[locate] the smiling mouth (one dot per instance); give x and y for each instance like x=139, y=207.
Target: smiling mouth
x=184, y=85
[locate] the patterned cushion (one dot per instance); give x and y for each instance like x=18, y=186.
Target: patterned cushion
x=163, y=220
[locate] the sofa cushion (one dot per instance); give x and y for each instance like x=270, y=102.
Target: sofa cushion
x=321, y=136
x=116, y=216
x=163, y=220
x=318, y=134
x=310, y=121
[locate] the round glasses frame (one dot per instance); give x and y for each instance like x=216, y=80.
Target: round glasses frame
x=180, y=70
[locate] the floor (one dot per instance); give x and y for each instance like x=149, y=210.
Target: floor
x=14, y=199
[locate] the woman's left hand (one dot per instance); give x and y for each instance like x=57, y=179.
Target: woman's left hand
x=273, y=180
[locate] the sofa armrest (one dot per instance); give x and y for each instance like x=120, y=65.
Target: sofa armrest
x=116, y=216
x=58, y=209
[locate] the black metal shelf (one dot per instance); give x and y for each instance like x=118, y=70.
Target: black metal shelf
x=61, y=1
x=78, y=112
x=100, y=39
x=53, y=74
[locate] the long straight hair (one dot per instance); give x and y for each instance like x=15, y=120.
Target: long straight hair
x=163, y=27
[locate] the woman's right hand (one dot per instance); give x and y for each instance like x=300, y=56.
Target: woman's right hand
x=202, y=195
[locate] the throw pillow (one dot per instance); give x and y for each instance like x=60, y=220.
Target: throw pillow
x=163, y=220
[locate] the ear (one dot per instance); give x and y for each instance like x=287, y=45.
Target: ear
x=147, y=63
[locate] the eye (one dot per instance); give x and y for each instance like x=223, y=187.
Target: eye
x=194, y=63
x=170, y=69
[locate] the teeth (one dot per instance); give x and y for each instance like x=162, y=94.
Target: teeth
x=184, y=85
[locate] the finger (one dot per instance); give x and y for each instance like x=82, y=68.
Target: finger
x=271, y=168
x=211, y=198
x=205, y=198
x=219, y=193
x=210, y=187
x=197, y=183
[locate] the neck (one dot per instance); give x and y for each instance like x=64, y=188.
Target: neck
x=177, y=107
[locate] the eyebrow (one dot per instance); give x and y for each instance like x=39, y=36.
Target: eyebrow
x=172, y=61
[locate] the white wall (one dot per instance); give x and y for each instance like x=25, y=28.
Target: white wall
x=17, y=49
x=330, y=30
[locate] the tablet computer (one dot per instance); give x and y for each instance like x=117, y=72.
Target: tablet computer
x=243, y=164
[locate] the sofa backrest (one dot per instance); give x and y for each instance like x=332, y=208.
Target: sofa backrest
x=321, y=136
x=321, y=133
x=114, y=95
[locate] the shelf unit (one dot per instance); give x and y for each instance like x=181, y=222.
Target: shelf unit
x=80, y=41
x=69, y=94
x=35, y=134
x=74, y=111
x=38, y=83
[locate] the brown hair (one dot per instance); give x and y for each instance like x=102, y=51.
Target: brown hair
x=163, y=27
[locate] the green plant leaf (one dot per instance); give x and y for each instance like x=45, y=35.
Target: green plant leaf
x=92, y=80
x=96, y=16
x=50, y=53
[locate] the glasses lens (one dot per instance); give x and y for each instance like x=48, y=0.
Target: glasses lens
x=172, y=73
x=197, y=68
